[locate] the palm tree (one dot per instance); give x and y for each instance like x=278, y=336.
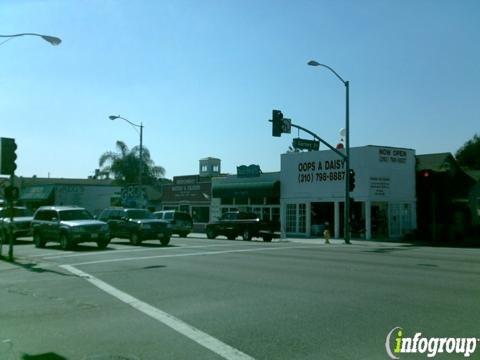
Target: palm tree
x=124, y=165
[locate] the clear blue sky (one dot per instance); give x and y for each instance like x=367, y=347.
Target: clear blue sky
x=204, y=76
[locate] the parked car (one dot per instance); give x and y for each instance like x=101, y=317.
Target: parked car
x=247, y=225
x=135, y=224
x=180, y=223
x=68, y=225
x=22, y=219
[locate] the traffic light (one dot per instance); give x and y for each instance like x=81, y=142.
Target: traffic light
x=277, y=121
x=7, y=156
x=351, y=178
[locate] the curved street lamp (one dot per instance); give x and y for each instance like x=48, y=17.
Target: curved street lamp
x=347, y=150
x=51, y=39
x=135, y=126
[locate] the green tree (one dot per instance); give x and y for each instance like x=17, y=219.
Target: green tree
x=124, y=165
x=469, y=154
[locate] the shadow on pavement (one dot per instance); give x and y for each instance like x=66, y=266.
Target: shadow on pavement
x=33, y=267
x=45, y=356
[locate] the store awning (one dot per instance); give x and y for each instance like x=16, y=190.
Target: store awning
x=246, y=189
x=36, y=193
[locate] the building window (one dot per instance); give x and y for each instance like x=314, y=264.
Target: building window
x=276, y=214
x=204, y=168
x=227, y=201
x=302, y=218
x=291, y=218
x=256, y=200
x=241, y=201
x=216, y=168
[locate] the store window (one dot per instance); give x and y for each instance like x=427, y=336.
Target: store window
x=227, y=201
x=241, y=201
x=266, y=214
x=291, y=218
x=256, y=200
x=302, y=218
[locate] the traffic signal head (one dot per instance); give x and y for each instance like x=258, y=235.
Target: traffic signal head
x=277, y=121
x=351, y=179
x=7, y=156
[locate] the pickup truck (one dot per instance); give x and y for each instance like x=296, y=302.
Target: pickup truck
x=244, y=224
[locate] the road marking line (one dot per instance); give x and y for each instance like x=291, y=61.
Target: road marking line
x=200, y=337
x=190, y=254
x=57, y=256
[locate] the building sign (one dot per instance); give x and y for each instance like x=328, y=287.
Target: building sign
x=379, y=186
x=380, y=173
x=321, y=171
x=187, y=188
x=398, y=156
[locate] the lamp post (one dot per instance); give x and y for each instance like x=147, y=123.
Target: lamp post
x=114, y=117
x=51, y=39
x=54, y=41
x=347, y=150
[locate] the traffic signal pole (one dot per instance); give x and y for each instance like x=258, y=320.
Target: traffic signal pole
x=346, y=157
x=10, y=231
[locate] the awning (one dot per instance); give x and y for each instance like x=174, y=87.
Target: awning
x=36, y=193
x=246, y=189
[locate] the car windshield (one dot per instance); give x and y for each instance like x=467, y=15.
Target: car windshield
x=80, y=214
x=139, y=214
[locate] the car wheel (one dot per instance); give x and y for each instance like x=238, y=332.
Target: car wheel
x=267, y=238
x=246, y=235
x=231, y=236
x=64, y=243
x=135, y=239
x=102, y=244
x=38, y=241
x=165, y=240
x=183, y=234
x=211, y=233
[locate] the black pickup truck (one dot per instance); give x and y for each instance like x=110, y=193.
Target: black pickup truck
x=244, y=224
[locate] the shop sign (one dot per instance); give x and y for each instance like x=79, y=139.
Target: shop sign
x=397, y=156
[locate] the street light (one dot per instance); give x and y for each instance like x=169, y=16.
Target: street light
x=114, y=117
x=54, y=41
x=347, y=151
x=51, y=39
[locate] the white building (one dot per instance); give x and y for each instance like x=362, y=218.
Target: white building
x=313, y=192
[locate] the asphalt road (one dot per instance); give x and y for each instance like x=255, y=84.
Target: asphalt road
x=214, y=299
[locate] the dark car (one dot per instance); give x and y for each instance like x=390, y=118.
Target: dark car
x=136, y=225
x=22, y=219
x=69, y=226
x=180, y=223
x=244, y=224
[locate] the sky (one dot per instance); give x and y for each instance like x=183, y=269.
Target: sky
x=203, y=77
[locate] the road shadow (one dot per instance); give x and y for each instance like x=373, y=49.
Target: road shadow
x=32, y=267
x=45, y=356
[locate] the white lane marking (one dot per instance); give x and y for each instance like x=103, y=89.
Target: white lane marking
x=190, y=254
x=200, y=337
x=57, y=256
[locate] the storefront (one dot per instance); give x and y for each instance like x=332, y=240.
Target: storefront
x=250, y=190
x=190, y=194
x=313, y=192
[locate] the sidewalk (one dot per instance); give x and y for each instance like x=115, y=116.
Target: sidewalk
x=321, y=241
